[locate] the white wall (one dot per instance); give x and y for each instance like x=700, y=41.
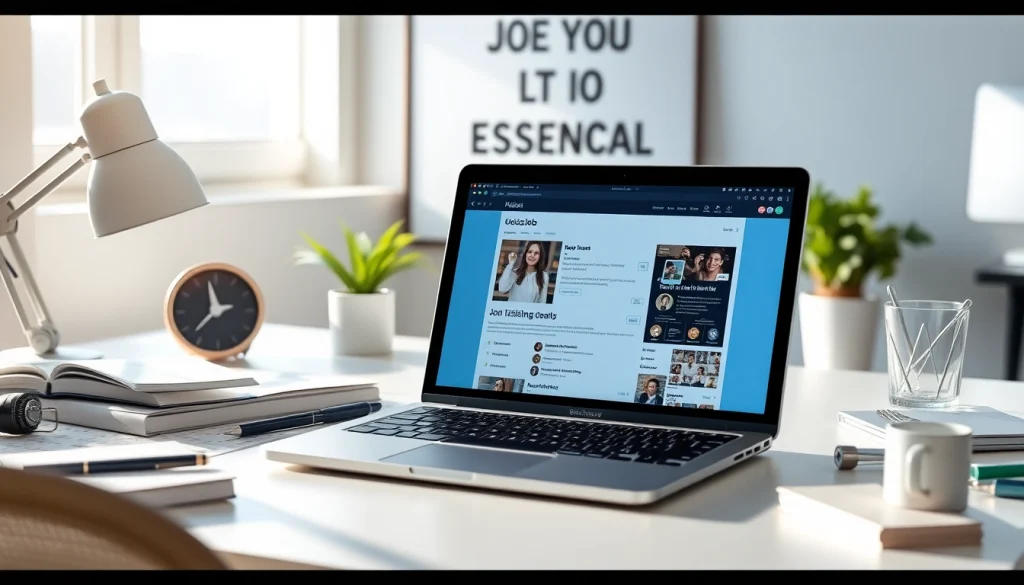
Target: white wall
x=116, y=285
x=15, y=144
x=881, y=99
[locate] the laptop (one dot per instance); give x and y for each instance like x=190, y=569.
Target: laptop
x=602, y=333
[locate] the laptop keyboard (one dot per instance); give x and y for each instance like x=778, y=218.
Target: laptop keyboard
x=547, y=435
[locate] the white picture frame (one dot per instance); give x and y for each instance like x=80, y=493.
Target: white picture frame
x=634, y=96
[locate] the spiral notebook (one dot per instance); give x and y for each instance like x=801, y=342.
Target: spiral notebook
x=994, y=430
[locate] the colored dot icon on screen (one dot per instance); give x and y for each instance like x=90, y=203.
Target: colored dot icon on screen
x=778, y=210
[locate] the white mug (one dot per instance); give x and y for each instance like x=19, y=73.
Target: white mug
x=927, y=465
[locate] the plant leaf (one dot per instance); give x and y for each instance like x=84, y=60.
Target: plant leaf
x=401, y=263
x=355, y=257
x=383, y=256
x=328, y=258
x=389, y=235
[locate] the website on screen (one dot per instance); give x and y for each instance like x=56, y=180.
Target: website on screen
x=654, y=296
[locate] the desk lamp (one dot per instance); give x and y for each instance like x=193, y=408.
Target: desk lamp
x=995, y=189
x=135, y=179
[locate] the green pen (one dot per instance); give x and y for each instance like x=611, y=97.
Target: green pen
x=980, y=471
x=1002, y=488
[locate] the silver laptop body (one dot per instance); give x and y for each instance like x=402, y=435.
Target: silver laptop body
x=562, y=386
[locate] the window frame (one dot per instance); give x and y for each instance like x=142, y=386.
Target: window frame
x=110, y=50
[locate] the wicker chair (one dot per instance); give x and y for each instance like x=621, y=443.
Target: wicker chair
x=51, y=522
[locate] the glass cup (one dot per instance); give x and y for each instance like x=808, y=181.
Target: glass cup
x=926, y=343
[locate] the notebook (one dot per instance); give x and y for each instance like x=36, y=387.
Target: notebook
x=276, y=395
x=138, y=381
x=162, y=488
x=858, y=512
x=994, y=430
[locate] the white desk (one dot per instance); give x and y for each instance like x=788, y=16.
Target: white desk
x=730, y=521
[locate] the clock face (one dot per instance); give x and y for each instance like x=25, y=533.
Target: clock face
x=215, y=310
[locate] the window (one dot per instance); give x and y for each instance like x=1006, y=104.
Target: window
x=242, y=86
x=56, y=43
x=224, y=91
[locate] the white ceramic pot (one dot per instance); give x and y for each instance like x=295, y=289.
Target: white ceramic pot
x=838, y=333
x=361, y=324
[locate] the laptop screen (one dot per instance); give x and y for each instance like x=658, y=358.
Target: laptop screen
x=651, y=295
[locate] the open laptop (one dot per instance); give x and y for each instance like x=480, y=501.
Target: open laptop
x=603, y=333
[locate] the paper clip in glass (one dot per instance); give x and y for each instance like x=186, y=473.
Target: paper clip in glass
x=21, y=413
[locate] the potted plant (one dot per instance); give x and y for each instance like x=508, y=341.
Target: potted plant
x=361, y=313
x=844, y=245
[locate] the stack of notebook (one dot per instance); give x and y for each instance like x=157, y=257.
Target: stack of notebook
x=157, y=488
x=992, y=429
x=148, y=397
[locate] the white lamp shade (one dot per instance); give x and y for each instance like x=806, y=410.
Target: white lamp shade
x=139, y=185
x=134, y=179
x=995, y=190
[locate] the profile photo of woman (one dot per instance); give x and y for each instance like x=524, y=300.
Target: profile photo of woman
x=675, y=369
x=526, y=279
x=664, y=302
x=499, y=386
x=534, y=370
x=655, y=330
x=650, y=394
x=710, y=267
x=536, y=358
x=538, y=346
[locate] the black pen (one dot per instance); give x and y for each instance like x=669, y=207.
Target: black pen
x=332, y=414
x=118, y=465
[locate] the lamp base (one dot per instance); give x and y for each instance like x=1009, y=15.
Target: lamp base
x=25, y=355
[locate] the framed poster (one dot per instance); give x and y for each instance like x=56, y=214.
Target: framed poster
x=532, y=90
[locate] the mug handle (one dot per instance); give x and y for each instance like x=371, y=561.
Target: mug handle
x=912, y=479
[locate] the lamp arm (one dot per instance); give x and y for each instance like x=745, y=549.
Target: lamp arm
x=40, y=333
x=39, y=330
x=57, y=182
x=50, y=162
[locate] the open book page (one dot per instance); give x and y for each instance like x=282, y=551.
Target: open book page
x=31, y=377
x=168, y=374
x=81, y=387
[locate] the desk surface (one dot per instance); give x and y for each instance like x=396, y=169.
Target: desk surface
x=730, y=521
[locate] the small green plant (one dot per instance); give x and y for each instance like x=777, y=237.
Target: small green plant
x=844, y=245
x=370, y=265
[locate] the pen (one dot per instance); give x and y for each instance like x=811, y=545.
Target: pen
x=293, y=421
x=117, y=465
x=1001, y=488
x=982, y=471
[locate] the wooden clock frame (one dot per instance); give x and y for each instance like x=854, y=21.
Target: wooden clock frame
x=172, y=292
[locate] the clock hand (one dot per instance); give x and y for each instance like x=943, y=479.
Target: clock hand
x=213, y=296
x=224, y=308
x=204, y=321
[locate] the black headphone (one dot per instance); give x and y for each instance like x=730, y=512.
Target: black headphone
x=20, y=413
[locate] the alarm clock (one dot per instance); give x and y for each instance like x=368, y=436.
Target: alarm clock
x=214, y=310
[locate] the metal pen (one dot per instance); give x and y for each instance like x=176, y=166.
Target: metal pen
x=328, y=415
x=847, y=457
x=121, y=465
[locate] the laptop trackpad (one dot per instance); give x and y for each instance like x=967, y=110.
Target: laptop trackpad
x=467, y=459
